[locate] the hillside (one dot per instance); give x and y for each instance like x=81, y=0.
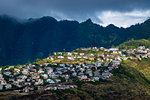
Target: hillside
x=95, y=79
x=142, y=66
x=127, y=83
x=135, y=43
x=23, y=41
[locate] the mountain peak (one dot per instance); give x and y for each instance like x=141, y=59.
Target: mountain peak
x=48, y=18
x=89, y=20
x=42, y=19
x=111, y=25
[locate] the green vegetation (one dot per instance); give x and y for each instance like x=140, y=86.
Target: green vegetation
x=134, y=44
x=25, y=42
x=142, y=66
x=129, y=81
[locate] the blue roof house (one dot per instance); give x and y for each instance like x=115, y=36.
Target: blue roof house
x=50, y=81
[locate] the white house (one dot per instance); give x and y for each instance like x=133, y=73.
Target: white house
x=81, y=54
x=60, y=57
x=71, y=58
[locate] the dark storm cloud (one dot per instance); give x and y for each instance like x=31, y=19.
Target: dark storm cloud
x=69, y=9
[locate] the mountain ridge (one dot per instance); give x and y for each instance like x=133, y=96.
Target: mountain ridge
x=24, y=41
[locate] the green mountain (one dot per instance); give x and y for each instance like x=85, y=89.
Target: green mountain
x=129, y=82
x=23, y=41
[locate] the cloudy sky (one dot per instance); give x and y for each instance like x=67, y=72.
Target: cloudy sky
x=122, y=13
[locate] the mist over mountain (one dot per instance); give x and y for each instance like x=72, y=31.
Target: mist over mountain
x=24, y=41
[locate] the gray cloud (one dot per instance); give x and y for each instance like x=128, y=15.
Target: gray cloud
x=70, y=9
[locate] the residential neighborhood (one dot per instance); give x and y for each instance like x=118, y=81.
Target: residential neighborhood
x=63, y=69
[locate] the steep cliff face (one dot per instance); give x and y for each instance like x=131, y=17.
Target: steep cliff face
x=24, y=41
